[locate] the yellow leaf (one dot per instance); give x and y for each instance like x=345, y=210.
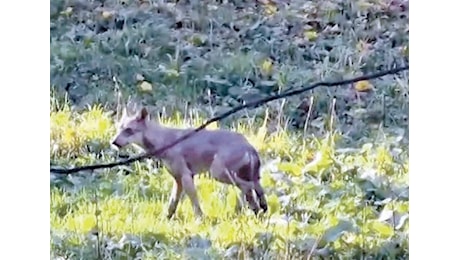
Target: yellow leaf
x=87, y=222
x=267, y=66
x=290, y=168
x=273, y=203
x=363, y=86
x=270, y=9
x=107, y=14
x=197, y=40
x=382, y=229
x=145, y=86
x=310, y=35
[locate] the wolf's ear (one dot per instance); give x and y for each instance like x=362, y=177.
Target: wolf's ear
x=143, y=114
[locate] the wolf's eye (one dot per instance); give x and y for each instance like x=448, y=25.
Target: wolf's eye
x=129, y=131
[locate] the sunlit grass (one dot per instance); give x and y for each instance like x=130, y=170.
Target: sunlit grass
x=310, y=190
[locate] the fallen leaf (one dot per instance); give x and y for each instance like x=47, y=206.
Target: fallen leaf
x=270, y=9
x=266, y=67
x=145, y=86
x=107, y=14
x=363, y=86
x=310, y=35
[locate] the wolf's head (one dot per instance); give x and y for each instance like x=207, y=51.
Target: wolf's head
x=131, y=129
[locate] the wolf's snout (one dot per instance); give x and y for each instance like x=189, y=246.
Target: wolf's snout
x=115, y=143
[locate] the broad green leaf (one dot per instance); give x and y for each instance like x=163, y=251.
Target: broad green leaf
x=235, y=91
x=334, y=233
x=199, y=242
x=196, y=253
x=382, y=228
x=291, y=168
x=267, y=83
x=321, y=161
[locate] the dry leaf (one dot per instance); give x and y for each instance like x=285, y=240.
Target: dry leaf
x=270, y=9
x=267, y=67
x=363, y=86
x=107, y=14
x=310, y=35
x=145, y=86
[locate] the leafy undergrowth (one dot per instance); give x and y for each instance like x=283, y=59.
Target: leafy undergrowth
x=224, y=53
x=324, y=200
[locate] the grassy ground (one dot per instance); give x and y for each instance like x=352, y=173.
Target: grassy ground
x=323, y=200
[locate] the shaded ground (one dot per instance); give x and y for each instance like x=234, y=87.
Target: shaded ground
x=222, y=53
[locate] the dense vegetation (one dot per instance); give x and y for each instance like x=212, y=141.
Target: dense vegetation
x=335, y=160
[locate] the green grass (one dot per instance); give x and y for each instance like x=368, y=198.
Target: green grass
x=323, y=199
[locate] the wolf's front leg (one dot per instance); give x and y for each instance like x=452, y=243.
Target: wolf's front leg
x=175, y=197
